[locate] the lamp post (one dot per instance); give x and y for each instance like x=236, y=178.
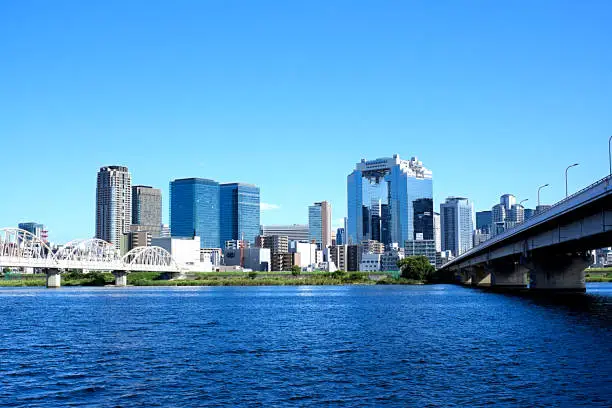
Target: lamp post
x=568, y=167
x=610, y=154
x=522, y=201
x=539, y=188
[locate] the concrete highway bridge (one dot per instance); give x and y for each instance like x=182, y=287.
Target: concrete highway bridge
x=548, y=252
x=19, y=248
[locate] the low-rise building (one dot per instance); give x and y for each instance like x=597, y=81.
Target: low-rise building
x=256, y=259
x=284, y=261
x=373, y=247
x=184, y=251
x=353, y=257
x=212, y=255
x=424, y=247
x=276, y=243
x=480, y=236
x=389, y=259
x=307, y=253
x=338, y=255
x=139, y=239
x=370, y=262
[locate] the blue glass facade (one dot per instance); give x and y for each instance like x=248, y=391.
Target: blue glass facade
x=315, y=224
x=389, y=200
x=340, y=236
x=239, y=212
x=484, y=219
x=194, y=210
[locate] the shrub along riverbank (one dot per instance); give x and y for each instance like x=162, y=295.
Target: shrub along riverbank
x=215, y=279
x=235, y=278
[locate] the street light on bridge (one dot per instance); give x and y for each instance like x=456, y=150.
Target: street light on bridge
x=522, y=201
x=610, y=154
x=568, y=167
x=539, y=188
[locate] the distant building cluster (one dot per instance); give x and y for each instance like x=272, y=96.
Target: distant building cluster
x=216, y=226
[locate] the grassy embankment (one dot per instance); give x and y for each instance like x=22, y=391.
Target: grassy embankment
x=598, y=275
x=211, y=279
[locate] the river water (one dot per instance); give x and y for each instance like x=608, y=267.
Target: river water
x=437, y=345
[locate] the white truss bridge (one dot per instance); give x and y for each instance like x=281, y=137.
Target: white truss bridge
x=19, y=248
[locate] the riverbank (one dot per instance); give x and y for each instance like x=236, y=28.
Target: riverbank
x=598, y=275
x=215, y=279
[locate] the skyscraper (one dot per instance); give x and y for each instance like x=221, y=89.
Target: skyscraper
x=36, y=229
x=457, y=222
x=239, y=212
x=390, y=200
x=507, y=200
x=319, y=224
x=194, y=210
x=147, y=209
x=437, y=232
x=340, y=236
x=113, y=204
x=484, y=219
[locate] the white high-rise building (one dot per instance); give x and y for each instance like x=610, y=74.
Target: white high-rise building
x=457, y=225
x=437, y=232
x=113, y=204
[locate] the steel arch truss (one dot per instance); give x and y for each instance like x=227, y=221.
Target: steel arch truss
x=21, y=248
x=94, y=254
x=150, y=258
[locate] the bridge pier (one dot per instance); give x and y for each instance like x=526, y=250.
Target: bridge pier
x=463, y=276
x=480, y=276
x=559, y=272
x=120, y=278
x=54, y=278
x=508, y=276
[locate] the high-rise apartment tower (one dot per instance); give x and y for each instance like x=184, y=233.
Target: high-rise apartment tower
x=113, y=203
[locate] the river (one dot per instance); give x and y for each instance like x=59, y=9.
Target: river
x=432, y=345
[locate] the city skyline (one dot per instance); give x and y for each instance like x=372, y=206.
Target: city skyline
x=538, y=92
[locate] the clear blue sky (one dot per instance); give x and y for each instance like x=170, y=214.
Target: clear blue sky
x=494, y=97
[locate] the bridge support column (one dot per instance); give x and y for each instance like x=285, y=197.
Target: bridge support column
x=120, y=278
x=463, y=276
x=481, y=276
x=558, y=272
x=508, y=276
x=54, y=278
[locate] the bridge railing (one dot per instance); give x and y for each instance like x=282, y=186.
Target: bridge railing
x=538, y=218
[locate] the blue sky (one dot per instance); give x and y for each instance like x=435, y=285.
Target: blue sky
x=494, y=97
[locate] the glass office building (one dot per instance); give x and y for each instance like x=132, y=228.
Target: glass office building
x=457, y=220
x=239, y=212
x=194, y=210
x=390, y=200
x=484, y=220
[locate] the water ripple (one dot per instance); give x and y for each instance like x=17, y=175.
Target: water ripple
x=307, y=346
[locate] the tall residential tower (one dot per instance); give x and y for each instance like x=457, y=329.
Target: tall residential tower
x=113, y=204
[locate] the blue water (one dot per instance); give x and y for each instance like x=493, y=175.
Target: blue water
x=307, y=346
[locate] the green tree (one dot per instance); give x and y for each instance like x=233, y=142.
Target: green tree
x=296, y=270
x=416, y=268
